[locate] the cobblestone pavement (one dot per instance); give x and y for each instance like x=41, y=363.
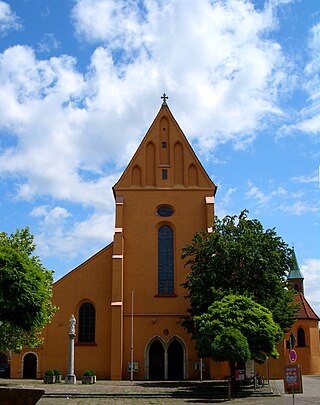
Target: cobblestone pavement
x=157, y=393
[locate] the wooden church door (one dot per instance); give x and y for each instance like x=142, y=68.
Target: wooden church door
x=175, y=360
x=156, y=361
x=30, y=366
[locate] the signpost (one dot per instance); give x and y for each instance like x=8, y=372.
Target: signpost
x=292, y=373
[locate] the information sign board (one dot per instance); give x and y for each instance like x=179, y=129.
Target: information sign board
x=292, y=379
x=134, y=365
x=239, y=374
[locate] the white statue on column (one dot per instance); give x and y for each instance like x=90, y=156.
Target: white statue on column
x=72, y=325
x=70, y=377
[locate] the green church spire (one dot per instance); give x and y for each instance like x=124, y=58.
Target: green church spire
x=295, y=272
x=295, y=276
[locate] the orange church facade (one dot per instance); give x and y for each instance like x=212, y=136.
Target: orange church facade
x=127, y=299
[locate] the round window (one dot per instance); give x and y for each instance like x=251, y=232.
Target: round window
x=165, y=211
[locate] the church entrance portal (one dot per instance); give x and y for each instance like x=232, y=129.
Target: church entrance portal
x=166, y=362
x=30, y=366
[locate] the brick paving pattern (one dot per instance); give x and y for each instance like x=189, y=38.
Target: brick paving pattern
x=146, y=392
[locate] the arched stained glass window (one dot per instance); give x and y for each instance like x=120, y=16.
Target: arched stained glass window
x=87, y=323
x=165, y=260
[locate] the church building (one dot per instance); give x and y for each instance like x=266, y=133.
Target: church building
x=305, y=331
x=127, y=299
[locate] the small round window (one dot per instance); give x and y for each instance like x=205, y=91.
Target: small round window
x=165, y=211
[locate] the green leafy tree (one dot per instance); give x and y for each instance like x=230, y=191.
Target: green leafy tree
x=25, y=292
x=236, y=329
x=239, y=257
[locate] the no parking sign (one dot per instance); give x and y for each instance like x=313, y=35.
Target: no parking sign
x=293, y=356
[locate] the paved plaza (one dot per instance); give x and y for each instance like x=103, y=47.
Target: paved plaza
x=185, y=392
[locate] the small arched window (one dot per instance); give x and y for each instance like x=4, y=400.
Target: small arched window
x=301, y=337
x=165, y=260
x=87, y=323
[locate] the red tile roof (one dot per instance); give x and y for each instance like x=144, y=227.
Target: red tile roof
x=305, y=311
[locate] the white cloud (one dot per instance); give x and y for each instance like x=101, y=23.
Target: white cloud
x=305, y=179
x=275, y=198
x=299, y=208
x=72, y=132
x=219, y=61
x=222, y=208
x=8, y=19
x=310, y=125
x=65, y=123
x=48, y=43
x=308, y=120
x=52, y=217
x=254, y=193
x=61, y=233
x=311, y=272
x=115, y=22
x=79, y=239
x=40, y=107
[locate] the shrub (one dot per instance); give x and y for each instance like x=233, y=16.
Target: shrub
x=49, y=372
x=56, y=371
x=89, y=372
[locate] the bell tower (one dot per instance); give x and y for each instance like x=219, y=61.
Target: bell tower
x=162, y=198
x=295, y=276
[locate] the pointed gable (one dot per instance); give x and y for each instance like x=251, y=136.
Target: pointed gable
x=305, y=311
x=164, y=159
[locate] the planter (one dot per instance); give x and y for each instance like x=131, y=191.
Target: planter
x=58, y=378
x=88, y=379
x=49, y=379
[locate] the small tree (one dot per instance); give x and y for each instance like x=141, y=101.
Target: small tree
x=239, y=257
x=236, y=329
x=25, y=292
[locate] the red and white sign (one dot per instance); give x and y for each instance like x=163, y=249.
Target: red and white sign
x=293, y=356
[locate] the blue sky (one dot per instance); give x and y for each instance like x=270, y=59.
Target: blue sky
x=80, y=83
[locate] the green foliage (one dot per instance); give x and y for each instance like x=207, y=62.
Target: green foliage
x=239, y=257
x=230, y=345
x=236, y=329
x=14, y=338
x=25, y=292
x=49, y=373
x=56, y=371
x=89, y=372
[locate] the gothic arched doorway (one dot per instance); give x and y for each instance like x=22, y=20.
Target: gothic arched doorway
x=30, y=366
x=156, y=361
x=165, y=360
x=175, y=360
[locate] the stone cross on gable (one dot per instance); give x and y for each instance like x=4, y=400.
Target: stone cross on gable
x=164, y=98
